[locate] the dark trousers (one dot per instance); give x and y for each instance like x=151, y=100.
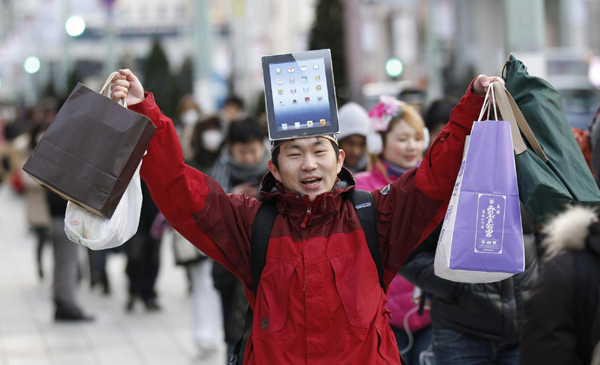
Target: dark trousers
x=143, y=258
x=452, y=347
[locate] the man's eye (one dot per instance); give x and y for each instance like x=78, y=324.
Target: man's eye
x=294, y=155
x=320, y=151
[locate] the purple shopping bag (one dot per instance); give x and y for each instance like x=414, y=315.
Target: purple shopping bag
x=482, y=238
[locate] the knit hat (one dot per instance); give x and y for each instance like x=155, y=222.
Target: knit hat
x=354, y=119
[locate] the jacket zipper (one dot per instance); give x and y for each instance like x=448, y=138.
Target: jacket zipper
x=308, y=214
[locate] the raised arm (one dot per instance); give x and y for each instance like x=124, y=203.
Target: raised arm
x=195, y=205
x=411, y=207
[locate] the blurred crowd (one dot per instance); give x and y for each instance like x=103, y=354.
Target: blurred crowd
x=434, y=320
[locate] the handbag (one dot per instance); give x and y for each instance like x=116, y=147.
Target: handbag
x=91, y=149
x=481, y=240
x=556, y=175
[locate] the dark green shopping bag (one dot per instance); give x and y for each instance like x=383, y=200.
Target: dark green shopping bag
x=546, y=187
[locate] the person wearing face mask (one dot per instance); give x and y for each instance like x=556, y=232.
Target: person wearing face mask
x=207, y=318
x=188, y=115
x=396, y=145
x=206, y=143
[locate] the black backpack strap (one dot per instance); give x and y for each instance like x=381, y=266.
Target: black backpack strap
x=261, y=232
x=364, y=205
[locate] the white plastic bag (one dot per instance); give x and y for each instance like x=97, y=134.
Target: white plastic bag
x=99, y=233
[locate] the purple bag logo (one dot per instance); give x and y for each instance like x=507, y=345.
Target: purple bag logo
x=489, y=237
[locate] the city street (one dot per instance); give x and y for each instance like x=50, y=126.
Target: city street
x=29, y=335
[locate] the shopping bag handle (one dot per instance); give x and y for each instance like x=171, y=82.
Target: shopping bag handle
x=113, y=76
x=510, y=112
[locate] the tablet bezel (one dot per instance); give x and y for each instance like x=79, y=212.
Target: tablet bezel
x=334, y=128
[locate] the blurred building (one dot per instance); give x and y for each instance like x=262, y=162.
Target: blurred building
x=442, y=44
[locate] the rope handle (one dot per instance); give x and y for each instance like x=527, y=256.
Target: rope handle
x=510, y=112
x=107, y=88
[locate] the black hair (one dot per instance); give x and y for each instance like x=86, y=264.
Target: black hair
x=438, y=113
x=411, y=96
x=276, y=151
x=237, y=101
x=245, y=131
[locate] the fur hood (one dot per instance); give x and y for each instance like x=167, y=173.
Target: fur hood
x=569, y=230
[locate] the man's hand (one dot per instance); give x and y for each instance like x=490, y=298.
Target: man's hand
x=127, y=86
x=481, y=84
x=247, y=189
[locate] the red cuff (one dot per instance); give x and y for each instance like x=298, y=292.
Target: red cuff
x=148, y=108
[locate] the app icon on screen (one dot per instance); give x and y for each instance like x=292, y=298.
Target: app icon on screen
x=280, y=91
x=281, y=102
x=318, y=77
x=292, y=79
x=305, y=89
x=297, y=124
x=284, y=126
x=309, y=123
x=293, y=91
x=304, y=78
x=294, y=100
x=319, y=97
x=316, y=67
x=322, y=122
x=307, y=99
x=318, y=87
x=302, y=68
x=277, y=70
x=290, y=69
x=279, y=81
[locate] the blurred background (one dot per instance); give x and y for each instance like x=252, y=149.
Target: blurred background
x=202, y=58
x=213, y=48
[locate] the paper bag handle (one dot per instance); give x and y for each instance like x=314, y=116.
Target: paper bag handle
x=511, y=113
x=113, y=76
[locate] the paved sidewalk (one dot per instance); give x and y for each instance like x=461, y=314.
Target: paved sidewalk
x=29, y=336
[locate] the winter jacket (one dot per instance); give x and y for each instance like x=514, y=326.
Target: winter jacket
x=400, y=292
x=554, y=319
x=492, y=311
x=319, y=300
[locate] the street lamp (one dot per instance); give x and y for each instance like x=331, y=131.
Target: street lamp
x=32, y=65
x=75, y=26
x=394, y=67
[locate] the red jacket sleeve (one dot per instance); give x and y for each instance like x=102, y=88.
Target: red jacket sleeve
x=415, y=204
x=183, y=194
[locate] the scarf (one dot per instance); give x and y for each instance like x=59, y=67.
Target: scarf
x=229, y=173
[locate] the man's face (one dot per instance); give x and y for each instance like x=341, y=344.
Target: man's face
x=308, y=165
x=354, y=146
x=248, y=154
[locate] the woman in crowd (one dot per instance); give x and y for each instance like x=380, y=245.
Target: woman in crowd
x=397, y=145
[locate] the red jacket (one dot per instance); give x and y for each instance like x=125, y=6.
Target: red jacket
x=400, y=291
x=319, y=300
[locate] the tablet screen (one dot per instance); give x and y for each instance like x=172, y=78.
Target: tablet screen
x=301, y=93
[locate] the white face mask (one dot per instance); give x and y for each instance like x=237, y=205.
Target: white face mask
x=190, y=117
x=212, y=140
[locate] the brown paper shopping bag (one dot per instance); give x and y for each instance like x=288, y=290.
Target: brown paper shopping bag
x=90, y=151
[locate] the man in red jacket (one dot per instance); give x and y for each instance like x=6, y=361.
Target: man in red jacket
x=319, y=299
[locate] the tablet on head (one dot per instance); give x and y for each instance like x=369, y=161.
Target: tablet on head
x=300, y=95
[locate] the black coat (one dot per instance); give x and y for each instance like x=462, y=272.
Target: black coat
x=562, y=316
x=492, y=311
